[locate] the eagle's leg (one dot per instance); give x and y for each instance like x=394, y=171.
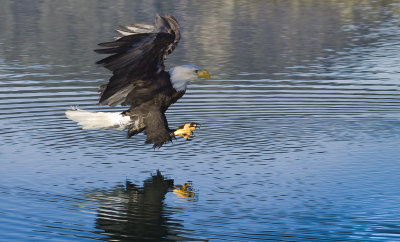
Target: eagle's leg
x=186, y=130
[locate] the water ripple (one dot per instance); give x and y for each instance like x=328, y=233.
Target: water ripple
x=299, y=136
x=248, y=106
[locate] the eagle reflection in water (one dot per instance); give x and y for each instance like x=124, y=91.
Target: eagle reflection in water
x=133, y=213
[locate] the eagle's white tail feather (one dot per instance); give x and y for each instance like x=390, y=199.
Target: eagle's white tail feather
x=99, y=120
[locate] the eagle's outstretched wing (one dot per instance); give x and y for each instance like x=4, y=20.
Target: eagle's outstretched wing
x=137, y=57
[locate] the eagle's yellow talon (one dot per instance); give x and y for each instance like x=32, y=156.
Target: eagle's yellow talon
x=186, y=130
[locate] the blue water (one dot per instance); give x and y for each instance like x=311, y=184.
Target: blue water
x=299, y=137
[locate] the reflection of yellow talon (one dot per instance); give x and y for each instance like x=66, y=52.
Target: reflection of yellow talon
x=186, y=130
x=184, y=191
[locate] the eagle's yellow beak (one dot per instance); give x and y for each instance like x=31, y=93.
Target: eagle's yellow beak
x=204, y=74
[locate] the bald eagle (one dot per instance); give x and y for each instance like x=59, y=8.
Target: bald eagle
x=136, y=60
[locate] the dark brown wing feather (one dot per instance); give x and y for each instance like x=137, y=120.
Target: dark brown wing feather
x=137, y=57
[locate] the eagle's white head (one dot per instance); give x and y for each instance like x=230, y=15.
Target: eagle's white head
x=180, y=75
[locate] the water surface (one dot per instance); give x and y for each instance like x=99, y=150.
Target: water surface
x=299, y=135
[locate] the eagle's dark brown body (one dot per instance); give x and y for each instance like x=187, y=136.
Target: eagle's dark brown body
x=148, y=111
